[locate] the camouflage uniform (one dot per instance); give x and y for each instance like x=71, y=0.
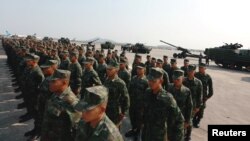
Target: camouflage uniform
x=162, y=117
x=137, y=90
x=118, y=99
x=101, y=70
x=65, y=64
x=207, y=84
x=76, y=74
x=184, y=68
x=125, y=76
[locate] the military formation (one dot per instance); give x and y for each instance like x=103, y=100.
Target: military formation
x=73, y=93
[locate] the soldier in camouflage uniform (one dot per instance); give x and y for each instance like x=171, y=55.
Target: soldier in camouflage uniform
x=166, y=66
x=102, y=66
x=182, y=96
x=123, y=72
x=162, y=117
x=31, y=87
x=166, y=82
x=172, y=69
x=54, y=56
x=60, y=117
x=137, y=61
x=185, y=67
x=196, y=89
x=76, y=73
x=90, y=77
x=148, y=63
x=65, y=63
x=95, y=124
x=118, y=102
x=207, y=84
x=48, y=69
x=81, y=57
x=137, y=89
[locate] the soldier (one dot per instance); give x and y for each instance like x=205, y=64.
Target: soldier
x=65, y=63
x=148, y=63
x=162, y=117
x=54, y=56
x=207, y=84
x=195, y=87
x=31, y=87
x=166, y=66
x=81, y=57
x=91, y=54
x=172, y=69
x=184, y=68
x=90, y=77
x=182, y=96
x=137, y=62
x=165, y=83
x=118, y=102
x=137, y=89
x=48, y=69
x=207, y=60
x=76, y=73
x=123, y=72
x=102, y=66
x=60, y=116
x=95, y=124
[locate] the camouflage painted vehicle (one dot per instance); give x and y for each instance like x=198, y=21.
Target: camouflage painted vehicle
x=108, y=45
x=230, y=56
x=141, y=48
x=127, y=47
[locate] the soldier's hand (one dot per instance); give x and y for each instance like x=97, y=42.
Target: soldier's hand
x=196, y=110
x=121, y=116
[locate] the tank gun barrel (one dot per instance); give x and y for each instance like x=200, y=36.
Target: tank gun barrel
x=178, y=48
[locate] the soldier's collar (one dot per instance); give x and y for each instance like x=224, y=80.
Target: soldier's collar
x=64, y=93
x=99, y=127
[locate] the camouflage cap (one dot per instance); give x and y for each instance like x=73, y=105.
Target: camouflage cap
x=30, y=57
x=191, y=67
x=101, y=55
x=65, y=52
x=89, y=60
x=74, y=53
x=49, y=63
x=165, y=56
x=202, y=65
x=96, y=95
x=123, y=60
x=178, y=74
x=159, y=61
x=173, y=61
x=141, y=66
x=155, y=73
x=61, y=74
x=138, y=56
x=113, y=65
x=148, y=56
x=153, y=58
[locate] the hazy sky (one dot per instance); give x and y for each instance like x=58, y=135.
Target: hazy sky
x=188, y=23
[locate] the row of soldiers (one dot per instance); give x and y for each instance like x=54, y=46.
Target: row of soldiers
x=85, y=96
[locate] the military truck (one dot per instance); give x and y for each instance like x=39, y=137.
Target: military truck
x=107, y=45
x=127, y=47
x=230, y=56
x=140, y=48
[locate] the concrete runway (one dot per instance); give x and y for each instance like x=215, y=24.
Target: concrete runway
x=229, y=105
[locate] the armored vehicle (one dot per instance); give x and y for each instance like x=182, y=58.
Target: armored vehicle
x=140, y=48
x=108, y=45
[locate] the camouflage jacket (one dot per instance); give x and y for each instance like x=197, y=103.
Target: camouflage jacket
x=196, y=89
x=101, y=70
x=60, y=117
x=166, y=82
x=33, y=80
x=118, y=101
x=76, y=74
x=137, y=89
x=185, y=70
x=162, y=118
x=184, y=100
x=105, y=131
x=65, y=64
x=207, y=84
x=125, y=76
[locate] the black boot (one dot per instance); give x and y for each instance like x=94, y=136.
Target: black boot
x=188, y=134
x=30, y=133
x=25, y=117
x=19, y=96
x=197, y=123
x=21, y=106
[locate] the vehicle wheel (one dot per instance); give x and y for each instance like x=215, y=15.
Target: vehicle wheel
x=180, y=56
x=175, y=55
x=239, y=67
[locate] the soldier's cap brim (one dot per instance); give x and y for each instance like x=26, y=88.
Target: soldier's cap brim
x=83, y=106
x=177, y=77
x=111, y=67
x=150, y=77
x=140, y=67
x=45, y=66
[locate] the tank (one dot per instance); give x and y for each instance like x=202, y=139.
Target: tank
x=107, y=45
x=230, y=56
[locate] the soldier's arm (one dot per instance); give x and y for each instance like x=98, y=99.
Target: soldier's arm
x=210, y=87
x=78, y=80
x=167, y=81
x=199, y=95
x=96, y=79
x=189, y=108
x=175, y=122
x=124, y=99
